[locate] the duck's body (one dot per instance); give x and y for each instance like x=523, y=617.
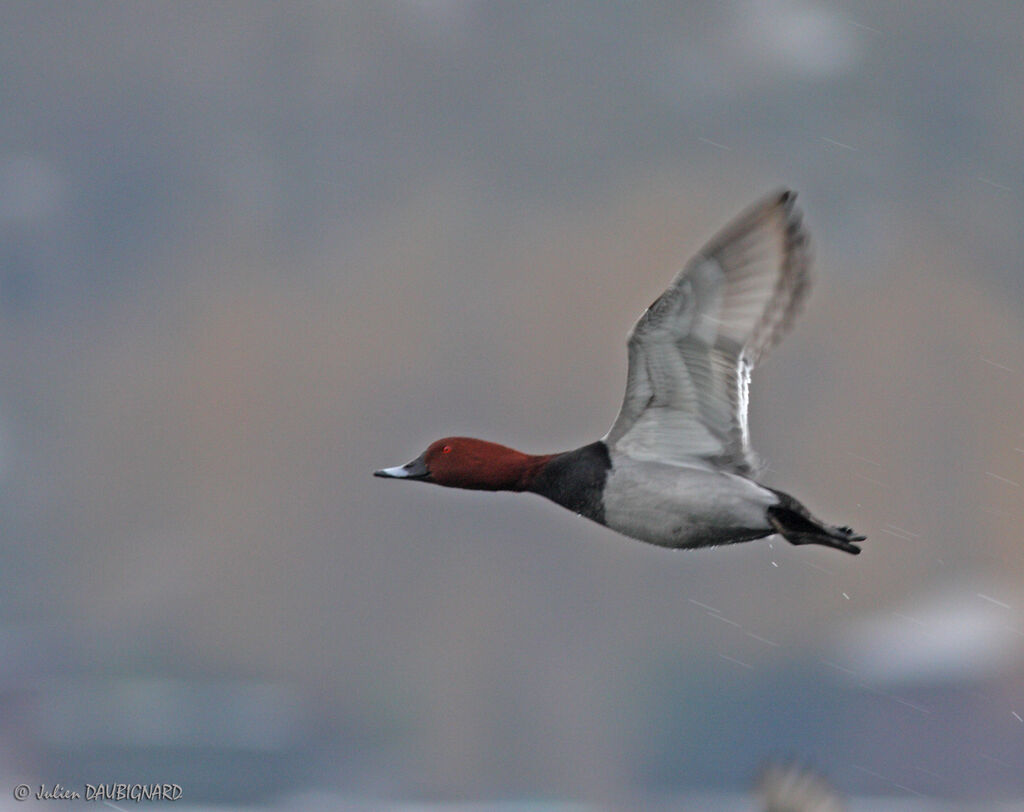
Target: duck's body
x=685, y=506
x=676, y=468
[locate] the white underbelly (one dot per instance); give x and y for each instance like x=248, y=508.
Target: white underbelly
x=676, y=506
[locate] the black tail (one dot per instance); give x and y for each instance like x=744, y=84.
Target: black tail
x=796, y=525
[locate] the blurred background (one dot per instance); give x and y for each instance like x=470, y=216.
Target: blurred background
x=250, y=252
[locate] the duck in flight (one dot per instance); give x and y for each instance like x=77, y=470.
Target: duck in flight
x=676, y=469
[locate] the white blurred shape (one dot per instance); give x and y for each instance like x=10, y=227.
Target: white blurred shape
x=955, y=636
x=808, y=38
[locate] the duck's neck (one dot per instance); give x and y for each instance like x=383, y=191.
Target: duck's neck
x=576, y=480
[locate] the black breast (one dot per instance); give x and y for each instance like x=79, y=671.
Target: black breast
x=576, y=479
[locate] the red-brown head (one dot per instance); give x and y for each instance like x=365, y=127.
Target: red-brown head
x=463, y=462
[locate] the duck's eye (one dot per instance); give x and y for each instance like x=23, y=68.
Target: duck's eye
x=446, y=450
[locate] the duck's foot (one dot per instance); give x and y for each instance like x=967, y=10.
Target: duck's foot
x=847, y=545
x=794, y=522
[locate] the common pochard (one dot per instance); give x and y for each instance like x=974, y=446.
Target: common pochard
x=676, y=469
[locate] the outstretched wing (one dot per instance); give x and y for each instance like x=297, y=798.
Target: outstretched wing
x=691, y=353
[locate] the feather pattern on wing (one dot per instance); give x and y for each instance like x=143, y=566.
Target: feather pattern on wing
x=692, y=351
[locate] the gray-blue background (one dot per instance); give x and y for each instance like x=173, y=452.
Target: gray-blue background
x=250, y=252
